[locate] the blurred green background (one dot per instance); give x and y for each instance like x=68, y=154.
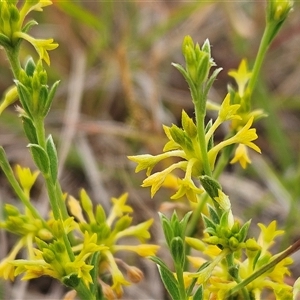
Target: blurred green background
x=117, y=89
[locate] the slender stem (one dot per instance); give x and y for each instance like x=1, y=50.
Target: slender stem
x=289, y=251
x=84, y=293
x=179, y=273
x=262, y=50
x=13, y=57
x=200, y=104
x=15, y=185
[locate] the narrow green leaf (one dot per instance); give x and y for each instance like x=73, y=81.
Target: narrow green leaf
x=244, y=231
x=199, y=293
x=213, y=215
x=52, y=155
x=29, y=129
x=183, y=223
x=43, y=96
x=210, y=185
x=40, y=158
x=208, y=223
x=177, y=250
x=25, y=97
x=169, y=282
x=168, y=231
x=50, y=97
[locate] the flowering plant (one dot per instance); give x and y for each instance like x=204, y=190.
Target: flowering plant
x=77, y=242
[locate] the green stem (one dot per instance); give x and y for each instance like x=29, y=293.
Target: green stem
x=194, y=221
x=262, y=50
x=15, y=185
x=234, y=274
x=84, y=293
x=179, y=273
x=200, y=111
x=13, y=57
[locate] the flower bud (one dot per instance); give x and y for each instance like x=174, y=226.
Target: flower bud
x=134, y=274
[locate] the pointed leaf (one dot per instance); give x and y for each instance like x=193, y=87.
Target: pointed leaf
x=168, y=231
x=213, y=215
x=178, y=251
x=25, y=97
x=40, y=158
x=208, y=223
x=52, y=155
x=199, y=293
x=50, y=98
x=29, y=129
x=169, y=282
x=244, y=231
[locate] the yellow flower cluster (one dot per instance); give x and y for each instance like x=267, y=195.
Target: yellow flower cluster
x=184, y=144
x=95, y=236
x=215, y=275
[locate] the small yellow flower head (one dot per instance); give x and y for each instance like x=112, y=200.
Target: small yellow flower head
x=241, y=156
x=268, y=234
x=75, y=209
x=244, y=136
x=143, y=250
x=229, y=111
x=31, y=5
x=195, y=243
x=157, y=179
x=26, y=178
x=40, y=45
x=145, y=161
x=7, y=270
x=187, y=187
x=241, y=76
x=140, y=231
x=119, y=208
x=10, y=96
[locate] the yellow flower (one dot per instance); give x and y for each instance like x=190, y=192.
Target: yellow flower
x=75, y=209
x=31, y=5
x=119, y=208
x=244, y=136
x=157, y=179
x=7, y=270
x=229, y=111
x=117, y=276
x=10, y=96
x=143, y=250
x=241, y=156
x=140, y=231
x=268, y=234
x=187, y=186
x=26, y=178
x=241, y=76
x=40, y=45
